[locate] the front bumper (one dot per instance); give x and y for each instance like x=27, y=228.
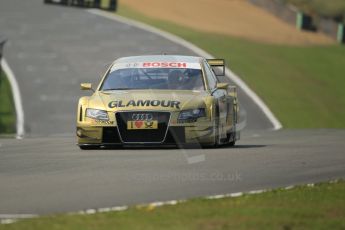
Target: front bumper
x=114, y=132
x=182, y=134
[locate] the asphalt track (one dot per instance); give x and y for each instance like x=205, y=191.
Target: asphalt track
x=50, y=175
x=51, y=50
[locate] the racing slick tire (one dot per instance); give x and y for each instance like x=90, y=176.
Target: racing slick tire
x=217, y=141
x=89, y=147
x=231, y=136
x=232, y=142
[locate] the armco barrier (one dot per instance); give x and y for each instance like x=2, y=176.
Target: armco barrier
x=286, y=12
x=302, y=21
x=110, y=5
x=332, y=29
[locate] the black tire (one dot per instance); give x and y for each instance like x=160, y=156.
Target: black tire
x=230, y=139
x=88, y=147
x=216, y=139
x=232, y=143
x=232, y=135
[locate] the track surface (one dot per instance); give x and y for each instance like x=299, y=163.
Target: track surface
x=42, y=176
x=51, y=50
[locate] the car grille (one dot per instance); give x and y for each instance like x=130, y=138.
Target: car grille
x=143, y=135
x=110, y=136
x=175, y=135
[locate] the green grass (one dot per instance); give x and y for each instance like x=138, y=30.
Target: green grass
x=7, y=112
x=303, y=86
x=318, y=207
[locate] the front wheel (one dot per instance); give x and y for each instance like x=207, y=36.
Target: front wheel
x=88, y=147
x=232, y=143
x=217, y=141
x=231, y=139
x=232, y=135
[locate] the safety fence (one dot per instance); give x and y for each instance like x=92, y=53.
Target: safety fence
x=110, y=5
x=301, y=20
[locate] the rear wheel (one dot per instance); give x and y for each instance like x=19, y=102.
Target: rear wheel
x=231, y=144
x=232, y=139
x=231, y=136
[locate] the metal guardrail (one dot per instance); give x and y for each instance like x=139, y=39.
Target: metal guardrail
x=110, y=5
x=303, y=21
x=2, y=44
x=279, y=9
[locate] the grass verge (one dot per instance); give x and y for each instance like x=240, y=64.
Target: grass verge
x=303, y=86
x=318, y=207
x=7, y=112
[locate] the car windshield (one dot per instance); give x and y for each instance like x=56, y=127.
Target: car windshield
x=154, y=78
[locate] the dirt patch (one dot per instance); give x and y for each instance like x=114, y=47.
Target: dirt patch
x=231, y=17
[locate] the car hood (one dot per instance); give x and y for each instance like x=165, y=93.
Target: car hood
x=163, y=100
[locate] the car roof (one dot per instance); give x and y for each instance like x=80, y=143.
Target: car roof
x=159, y=58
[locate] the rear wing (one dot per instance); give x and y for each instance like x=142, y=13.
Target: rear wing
x=218, y=66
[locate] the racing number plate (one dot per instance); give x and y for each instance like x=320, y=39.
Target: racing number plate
x=142, y=124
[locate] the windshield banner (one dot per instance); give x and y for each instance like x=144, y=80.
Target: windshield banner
x=140, y=65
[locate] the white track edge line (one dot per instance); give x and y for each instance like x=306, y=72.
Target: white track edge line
x=235, y=78
x=14, y=217
x=16, y=98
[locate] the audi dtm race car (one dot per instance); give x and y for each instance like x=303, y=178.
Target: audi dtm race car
x=160, y=99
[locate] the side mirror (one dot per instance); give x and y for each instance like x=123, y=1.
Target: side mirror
x=86, y=86
x=222, y=86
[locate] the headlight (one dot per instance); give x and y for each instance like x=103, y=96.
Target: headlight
x=97, y=114
x=191, y=115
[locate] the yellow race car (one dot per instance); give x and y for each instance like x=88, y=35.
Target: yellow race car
x=159, y=100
